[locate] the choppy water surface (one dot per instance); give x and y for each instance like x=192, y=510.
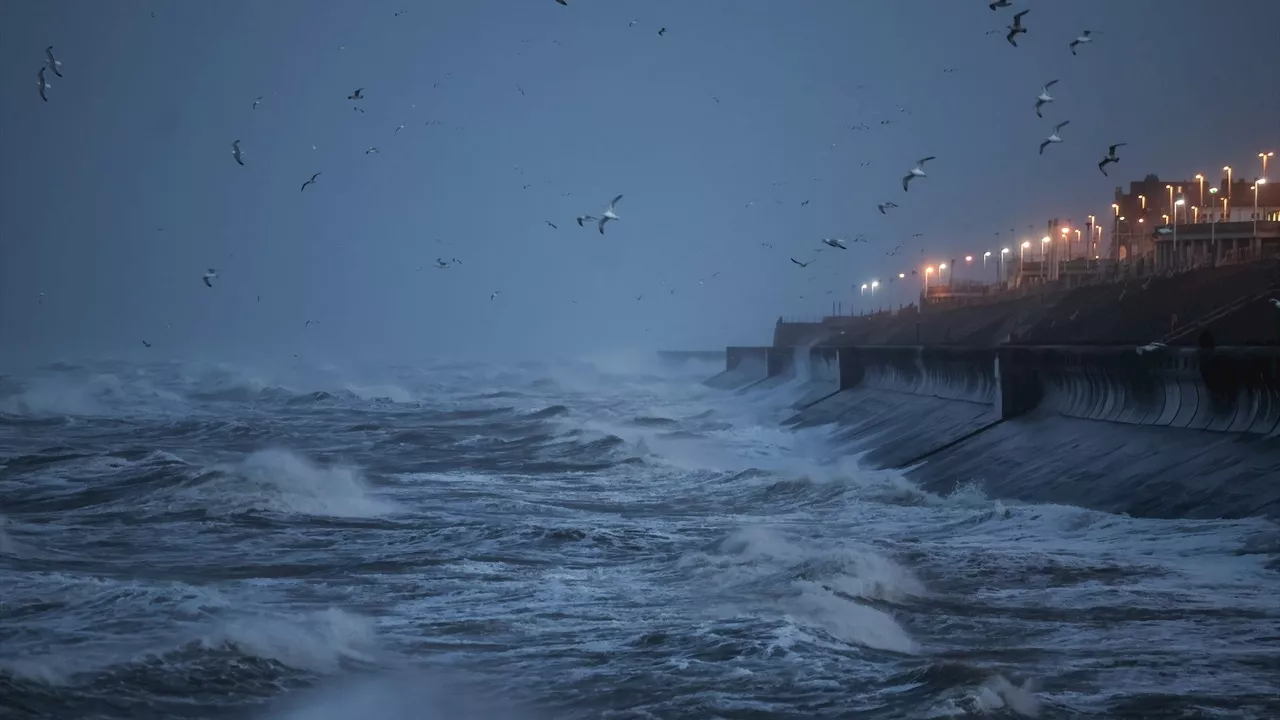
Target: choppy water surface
x=565, y=541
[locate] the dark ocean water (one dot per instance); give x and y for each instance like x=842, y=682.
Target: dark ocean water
x=607, y=540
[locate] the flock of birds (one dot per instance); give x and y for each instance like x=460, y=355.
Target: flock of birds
x=1015, y=28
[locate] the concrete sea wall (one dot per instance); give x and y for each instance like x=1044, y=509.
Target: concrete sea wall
x=1064, y=424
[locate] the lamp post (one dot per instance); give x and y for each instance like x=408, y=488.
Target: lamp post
x=943, y=266
x=1176, y=205
x=1264, y=156
x=1044, y=253
x=1213, y=227
x=1000, y=269
x=1143, y=200
x=1228, y=169
x=1200, y=179
x=927, y=272
x=1256, y=183
x=1170, y=189
x=1115, y=230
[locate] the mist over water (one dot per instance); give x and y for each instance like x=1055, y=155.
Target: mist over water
x=570, y=540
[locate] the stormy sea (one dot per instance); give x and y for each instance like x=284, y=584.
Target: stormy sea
x=603, y=539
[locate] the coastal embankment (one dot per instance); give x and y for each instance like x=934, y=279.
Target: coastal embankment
x=1178, y=432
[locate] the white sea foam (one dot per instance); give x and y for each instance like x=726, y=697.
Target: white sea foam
x=285, y=481
x=316, y=641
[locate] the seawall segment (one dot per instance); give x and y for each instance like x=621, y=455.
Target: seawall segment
x=743, y=366
x=1232, y=390
x=819, y=369
x=1175, y=433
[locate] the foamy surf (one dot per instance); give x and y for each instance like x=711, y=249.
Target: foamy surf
x=582, y=542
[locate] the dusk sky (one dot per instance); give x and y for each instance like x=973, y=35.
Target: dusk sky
x=118, y=193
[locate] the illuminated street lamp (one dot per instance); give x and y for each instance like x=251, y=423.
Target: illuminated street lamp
x=1256, y=184
x=941, y=267
x=1200, y=178
x=1176, y=205
x=1022, y=254
x=1044, y=251
x=1170, y=189
x=1264, y=156
x=874, y=284
x=863, y=290
x=927, y=272
x=1228, y=169
x=901, y=275
x=1000, y=271
x=1143, y=198
x=1166, y=218
x=985, y=255
x=1213, y=227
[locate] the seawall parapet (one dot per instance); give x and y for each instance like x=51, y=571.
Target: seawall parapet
x=1234, y=390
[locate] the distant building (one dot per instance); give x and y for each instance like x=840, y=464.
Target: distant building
x=1149, y=205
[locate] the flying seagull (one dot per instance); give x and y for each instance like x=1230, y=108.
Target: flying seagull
x=1044, y=97
x=584, y=217
x=1082, y=39
x=1150, y=347
x=53, y=62
x=835, y=243
x=441, y=264
x=209, y=275
x=256, y=101
x=801, y=264
x=1016, y=28
x=806, y=202
x=235, y=152
x=1275, y=302
x=551, y=224
x=662, y=32
x=1054, y=137
x=144, y=342
x=999, y=4
x=356, y=95
x=563, y=2
x=1110, y=158
x=44, y=85
x=885, y=205
x=312, y=181
x=371, y=151
x=494, y=296
x=608, y=214
x=917, y=171
x=398, y=129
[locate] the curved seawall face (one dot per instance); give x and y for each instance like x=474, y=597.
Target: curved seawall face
x=743, y=366
x=951, y=373
x=1177, y=433
x=1234, y=390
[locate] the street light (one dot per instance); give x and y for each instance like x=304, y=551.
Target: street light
x=1176, y=205
x=927, y=272
x=1044, y=252
x=1264, y=156
x=874, y=284
x=1228, y=169
x=1256, y=183
x=1213, y=227
x=1201, y=179
x=1143, y=198
x=1001, y=269
x=941, y=267
x=1170, y=189
x=901, y=275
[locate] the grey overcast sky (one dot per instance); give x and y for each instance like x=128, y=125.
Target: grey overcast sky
x=120, y=191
